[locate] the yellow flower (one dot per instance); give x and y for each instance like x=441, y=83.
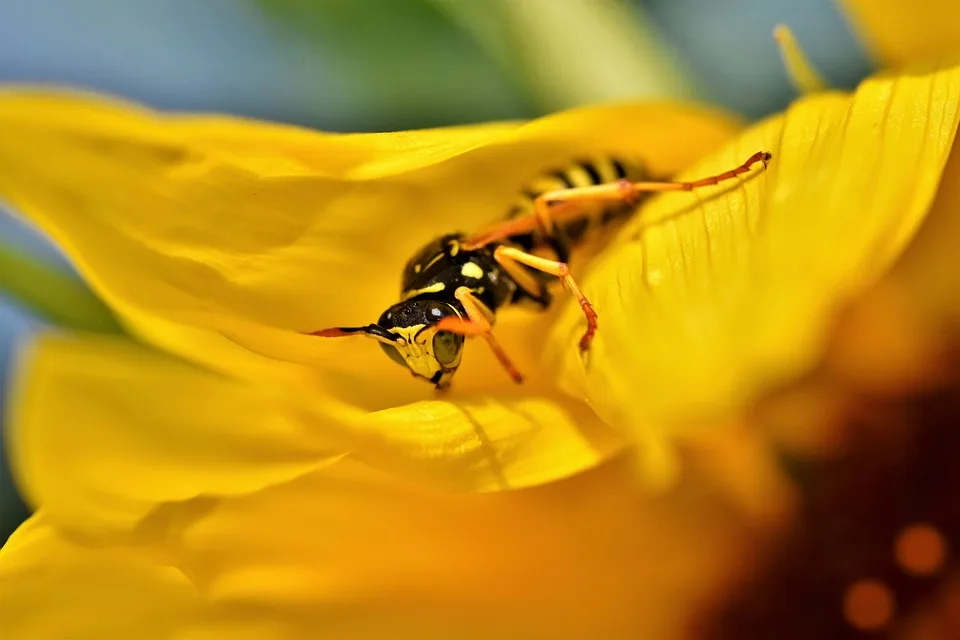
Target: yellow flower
x=898, y=32
x=289, y=486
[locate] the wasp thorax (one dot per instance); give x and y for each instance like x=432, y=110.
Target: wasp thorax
x=429, y=353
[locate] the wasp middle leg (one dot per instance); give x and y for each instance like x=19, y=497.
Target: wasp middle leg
x=509, y=257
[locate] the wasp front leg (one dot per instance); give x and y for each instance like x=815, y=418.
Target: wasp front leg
x=478, y=323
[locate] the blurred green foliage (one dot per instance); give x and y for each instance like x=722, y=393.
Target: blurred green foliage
x=418, y=56
x=59, y=297
x=408, y=58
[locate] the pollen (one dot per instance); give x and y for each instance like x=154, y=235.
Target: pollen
x=472, y=270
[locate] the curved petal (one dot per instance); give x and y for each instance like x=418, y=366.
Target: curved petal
x=709, y=296
x=490, y=443
x=926, y=269
x=346, y=552
x=354, y=554
x=52, y=586
x=219, y=238
x=104, y=431
x=897, y=32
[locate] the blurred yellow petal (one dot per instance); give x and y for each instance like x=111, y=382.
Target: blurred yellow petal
x=897, y=32
x=927, y=268
x=348, y=552
x=102, y=430
x=218, y=238
x=708, y=297
x=53, y=586
x=351, y=553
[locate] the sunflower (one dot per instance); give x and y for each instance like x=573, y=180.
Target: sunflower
x=224, y=475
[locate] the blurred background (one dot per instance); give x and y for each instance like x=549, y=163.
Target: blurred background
x=376, y=65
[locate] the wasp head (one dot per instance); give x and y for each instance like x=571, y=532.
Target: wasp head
x=430, y=353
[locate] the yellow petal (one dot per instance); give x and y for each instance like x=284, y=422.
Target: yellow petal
x=218, y=238
x=926, y=272
x=53, y=586
x=104, y=431
x=347, y=552
x=491, y=442
x=709, y=296
x=353, y=554
x=897, y=32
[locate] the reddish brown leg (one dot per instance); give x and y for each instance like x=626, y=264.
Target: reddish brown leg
x=564, y=204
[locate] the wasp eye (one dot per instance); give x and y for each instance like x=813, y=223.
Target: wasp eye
x=446, y=347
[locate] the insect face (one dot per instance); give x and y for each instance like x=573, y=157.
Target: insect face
x=429, y=353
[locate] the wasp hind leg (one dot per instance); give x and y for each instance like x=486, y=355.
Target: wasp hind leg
x=510, y=258
x=478, y=323
x=567, y=204
x=529, y=286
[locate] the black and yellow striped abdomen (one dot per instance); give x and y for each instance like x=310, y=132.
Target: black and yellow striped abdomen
x=581, y=173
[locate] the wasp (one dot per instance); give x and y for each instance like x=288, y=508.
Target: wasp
x=454, y=285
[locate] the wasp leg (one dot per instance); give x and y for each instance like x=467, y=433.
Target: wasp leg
x=527, y=281
x=374, y=331
x=505, y=255
x=478, y=324
x=563, y=204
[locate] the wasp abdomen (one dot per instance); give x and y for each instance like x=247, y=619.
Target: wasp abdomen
x=581, y=173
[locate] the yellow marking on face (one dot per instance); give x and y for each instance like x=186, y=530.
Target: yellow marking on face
x=454, y=248
x=407, y=333
x=471, y=270
x=417, y=268
x=417, y=349
x=434, y=288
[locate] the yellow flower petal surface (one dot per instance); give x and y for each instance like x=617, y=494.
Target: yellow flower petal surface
x=926, y=270
x=103, y=432
x=53, y=586
x=897, y=32
x=218, y=238
x=346, y=552
x=711, y=295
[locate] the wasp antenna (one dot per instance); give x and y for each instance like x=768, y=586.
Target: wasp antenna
x=371, y=331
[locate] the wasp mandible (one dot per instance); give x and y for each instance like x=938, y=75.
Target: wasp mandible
x=454, y=285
